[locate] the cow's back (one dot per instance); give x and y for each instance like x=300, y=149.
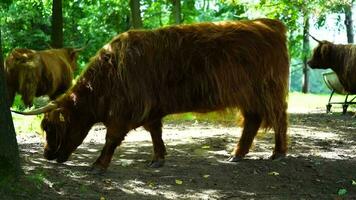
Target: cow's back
x=205, y=67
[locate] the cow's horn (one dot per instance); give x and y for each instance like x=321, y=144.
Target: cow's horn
x=314, y=38
x=50, y=106
x=78, y=49
x=82, y=48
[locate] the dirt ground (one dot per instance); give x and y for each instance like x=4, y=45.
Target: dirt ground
x=321, y=164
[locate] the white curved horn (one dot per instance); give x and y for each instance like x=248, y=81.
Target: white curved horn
x=314, y=38
x=50, y=106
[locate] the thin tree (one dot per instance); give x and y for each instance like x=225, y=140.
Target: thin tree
x=344, y=8
x=176, y=11
x=348, y=23
x=135, y=14
x=305, y=54
x=9, y=153
x=57, y=24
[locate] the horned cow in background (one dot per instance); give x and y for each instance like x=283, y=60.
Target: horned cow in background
x=33, y=73
x=338, y=57
x=143, y=75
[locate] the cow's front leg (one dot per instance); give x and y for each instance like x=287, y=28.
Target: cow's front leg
x=159, y=150
x=114, y=137
x=252, y=123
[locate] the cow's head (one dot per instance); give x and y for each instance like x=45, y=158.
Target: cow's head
x=65, y=130
x=22, y=74
x=22, y=58
x=321, y=58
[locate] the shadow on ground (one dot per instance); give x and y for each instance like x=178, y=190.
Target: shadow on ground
x=321, y=163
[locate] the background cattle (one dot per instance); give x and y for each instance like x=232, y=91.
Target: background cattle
x=338, y=57
x=33, y=73
x=142, y=76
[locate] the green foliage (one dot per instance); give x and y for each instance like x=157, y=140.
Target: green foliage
x=23, y=187
x=156, y=13
x=38, y=179
x=29, y=29
x=221, y=10
x=97, y=22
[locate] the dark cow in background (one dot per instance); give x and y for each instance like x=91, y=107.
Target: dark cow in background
x=33, y=73
x=338, y=57
x=142, y=76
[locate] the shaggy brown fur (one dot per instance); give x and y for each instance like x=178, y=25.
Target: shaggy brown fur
x=340, y=58
x=36, y=73
x=142, y=76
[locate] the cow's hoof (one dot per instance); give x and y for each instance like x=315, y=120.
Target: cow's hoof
x=278, y=156
x=156, y=163
x=235, y=158
x=97, y=170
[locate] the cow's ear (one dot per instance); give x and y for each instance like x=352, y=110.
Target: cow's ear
x=73, y=55
x=325, y=50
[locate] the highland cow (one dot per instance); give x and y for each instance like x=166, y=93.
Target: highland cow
x=143, y=75
x=338, y=57
x=33, y=73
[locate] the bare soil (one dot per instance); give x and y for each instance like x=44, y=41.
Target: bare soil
x=321, y=164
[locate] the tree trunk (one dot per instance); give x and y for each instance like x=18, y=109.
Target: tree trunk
x=135, y=14
x=57, y=24
x=348, y=24
x=9, y=153
x=305, y=54
x=176, y=12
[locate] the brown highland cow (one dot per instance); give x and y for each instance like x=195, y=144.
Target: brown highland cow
x=142, y=76
x=338, y=57
x=33, y=73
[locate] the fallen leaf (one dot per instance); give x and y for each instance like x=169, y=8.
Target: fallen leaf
x=206, y=176
x=341, y=192
x=353, y=182
x=205, y=147
x=102, y=198
x=179, y=182
x=273, y=174
x=151, y=184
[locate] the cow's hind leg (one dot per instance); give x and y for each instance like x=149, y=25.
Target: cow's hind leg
x=280, y=134
x=159, y=150
x=114, y=137
x=252, y=123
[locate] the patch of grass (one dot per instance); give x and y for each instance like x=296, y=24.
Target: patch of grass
x=18, y=104
x=304, y=102
x=299, y=102
x=84, y=189
x=21, y=187
x=27, y=124
x=226, y=118
x=37, y=179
